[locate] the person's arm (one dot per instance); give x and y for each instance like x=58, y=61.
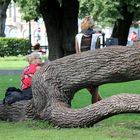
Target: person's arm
x=37, y=68
x=77, y=46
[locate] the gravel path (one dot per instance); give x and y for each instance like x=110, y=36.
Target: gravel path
x=10, y=72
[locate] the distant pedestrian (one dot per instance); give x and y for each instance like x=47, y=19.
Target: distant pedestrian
x=133, y=36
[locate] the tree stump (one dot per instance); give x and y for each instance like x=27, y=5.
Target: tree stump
x=54, y=86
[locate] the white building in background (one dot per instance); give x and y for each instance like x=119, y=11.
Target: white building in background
x=18, y=28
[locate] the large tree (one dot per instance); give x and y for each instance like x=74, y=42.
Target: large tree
x=3, y=8
x=61, y=21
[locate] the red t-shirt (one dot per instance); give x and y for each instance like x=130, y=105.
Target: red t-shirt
x=26, y=79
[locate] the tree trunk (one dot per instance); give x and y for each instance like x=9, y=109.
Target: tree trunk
x=54, y=86
x=70, y=10
x=122, y=26
x=3, y=7
x=61, y=25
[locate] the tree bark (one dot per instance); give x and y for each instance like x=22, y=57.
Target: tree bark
x=70, y=9
x=54, y=86
x=3, y=7
x=122, y=26
x=61, y=25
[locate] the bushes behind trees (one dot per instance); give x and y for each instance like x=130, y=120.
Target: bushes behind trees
x=13, y=47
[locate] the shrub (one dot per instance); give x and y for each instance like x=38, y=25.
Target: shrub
x=13, y=47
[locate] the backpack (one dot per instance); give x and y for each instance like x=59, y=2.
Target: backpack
x=12, y=95
x=91, y=42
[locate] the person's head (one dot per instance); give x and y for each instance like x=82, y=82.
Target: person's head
x=87, y=23
x=134, y=32
x=34, y=58
x=37, y=46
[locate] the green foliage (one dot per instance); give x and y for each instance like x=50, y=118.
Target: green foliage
x=29, y=9
x=107, y=12
x=13, y=47
x=86, y=8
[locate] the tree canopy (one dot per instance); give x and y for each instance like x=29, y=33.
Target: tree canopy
x=107, y=12
x=115, y=13
x=29, y=9
x=61, y=19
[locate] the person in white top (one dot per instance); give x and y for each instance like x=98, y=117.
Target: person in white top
x=86, y=40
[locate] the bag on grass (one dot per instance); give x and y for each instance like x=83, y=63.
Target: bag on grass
x=12, y=95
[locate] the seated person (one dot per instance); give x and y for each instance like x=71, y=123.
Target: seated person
x=35, y=62
x=12, y=93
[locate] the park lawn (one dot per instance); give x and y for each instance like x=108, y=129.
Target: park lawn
x=13, y=62
x=119, y=127
x=8, y=81
x=115, y=128
x=12, y=65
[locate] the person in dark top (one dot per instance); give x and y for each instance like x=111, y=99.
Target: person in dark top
x=87, y=40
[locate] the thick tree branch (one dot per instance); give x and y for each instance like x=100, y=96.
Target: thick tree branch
x=55, y=85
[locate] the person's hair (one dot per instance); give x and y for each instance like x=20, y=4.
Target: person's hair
x=37, y=46
x=87, y=23
x=32, y=56
x=134, y=32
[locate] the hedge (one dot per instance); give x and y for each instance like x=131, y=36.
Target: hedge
x=13, y=47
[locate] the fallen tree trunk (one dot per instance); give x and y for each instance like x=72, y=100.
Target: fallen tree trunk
x=18, y=111
x=67, y=117
x=55, y=85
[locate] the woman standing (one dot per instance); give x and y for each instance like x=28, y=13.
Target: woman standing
x=86, y=40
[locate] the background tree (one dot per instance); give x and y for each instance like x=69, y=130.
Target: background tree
x=117, y=13
x=3, y=7
x=61, y=21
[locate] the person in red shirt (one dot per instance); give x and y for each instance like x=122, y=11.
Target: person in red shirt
x=35, y=62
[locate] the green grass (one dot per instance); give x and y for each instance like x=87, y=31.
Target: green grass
x=82, y=98
x=8, y=81
x=116, y=128
x=13, y=62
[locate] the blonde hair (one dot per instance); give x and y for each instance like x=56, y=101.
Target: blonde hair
x=32, y=56
x=87, y=23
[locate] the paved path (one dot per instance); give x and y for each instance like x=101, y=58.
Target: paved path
x=10, y=72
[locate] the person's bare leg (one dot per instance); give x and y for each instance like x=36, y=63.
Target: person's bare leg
x=95, y=94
